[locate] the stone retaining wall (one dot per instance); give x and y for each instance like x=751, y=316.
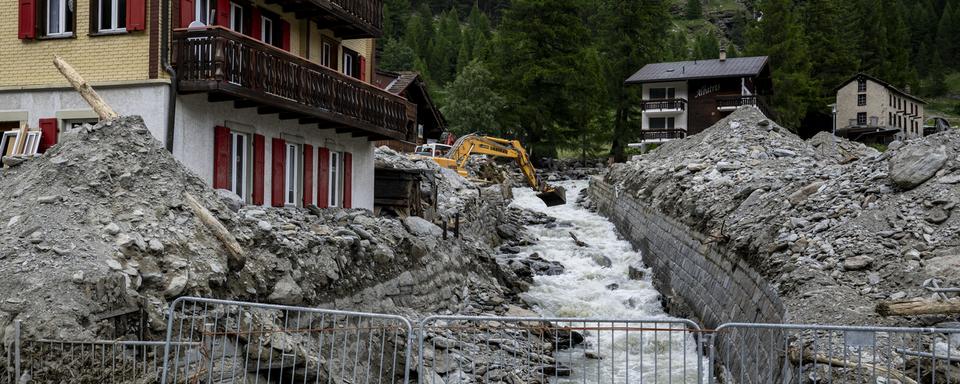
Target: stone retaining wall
x=698, y=279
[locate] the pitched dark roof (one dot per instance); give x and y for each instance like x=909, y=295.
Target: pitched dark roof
x=404, y=79
x=699, y=69
x=883, y=83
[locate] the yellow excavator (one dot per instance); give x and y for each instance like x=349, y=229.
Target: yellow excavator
x=472, y=144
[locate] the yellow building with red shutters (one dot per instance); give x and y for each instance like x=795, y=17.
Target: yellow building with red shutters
x=269, y=99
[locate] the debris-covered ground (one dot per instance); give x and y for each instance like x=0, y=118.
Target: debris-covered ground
x=99, y=225
x=835, y=225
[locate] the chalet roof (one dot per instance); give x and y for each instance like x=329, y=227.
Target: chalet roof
x=881, y=82
x=699, y=69
x=404, y=79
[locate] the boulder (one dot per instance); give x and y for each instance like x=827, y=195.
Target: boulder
x=230, y=199
x=286, y=291
x=420, y=227
x=857, y=263
x=915, y=164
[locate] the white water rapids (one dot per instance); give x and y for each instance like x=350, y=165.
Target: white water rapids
x=628, y=351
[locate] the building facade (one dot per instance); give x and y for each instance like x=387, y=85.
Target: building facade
x=684, y=98
x=270, y=99
x=871, y=110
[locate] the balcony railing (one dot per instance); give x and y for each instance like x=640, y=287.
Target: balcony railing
x=661, y=134
x=664, y=104
x=737, y=101
x=367, y=11
x=241, y=68
x=346, y=18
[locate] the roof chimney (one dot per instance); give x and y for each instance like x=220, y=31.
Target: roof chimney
x=723, y=53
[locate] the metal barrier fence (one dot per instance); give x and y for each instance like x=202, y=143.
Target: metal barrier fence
x=60, y=361
x=795, y=353
x=249, y=342
x=467, y=349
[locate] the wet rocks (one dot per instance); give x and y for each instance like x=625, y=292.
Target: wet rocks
x=635, y=272
x=601, y=260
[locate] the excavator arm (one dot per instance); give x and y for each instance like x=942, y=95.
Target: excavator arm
x=468, y=145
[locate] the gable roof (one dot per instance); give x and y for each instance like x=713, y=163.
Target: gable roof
x=881, y=82
x=403, y=80
x=699, y=69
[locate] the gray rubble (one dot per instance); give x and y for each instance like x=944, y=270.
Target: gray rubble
x=836, y=226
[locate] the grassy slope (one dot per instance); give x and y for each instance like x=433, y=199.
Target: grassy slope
x=945, y=106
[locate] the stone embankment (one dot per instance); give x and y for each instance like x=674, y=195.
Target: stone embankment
x=748, y=222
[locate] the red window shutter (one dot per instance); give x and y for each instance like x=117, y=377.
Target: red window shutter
x=27, y=25
x=223, y=13
x=277, y=166
x=363, y=68
x=323, y=185
x=307, y=175
x=186, y=12
x=136, y=15
x=347, y=180
x=258, y=157
x=255, y=25
x=48, y=134
x=221, y=157
x=285, y=32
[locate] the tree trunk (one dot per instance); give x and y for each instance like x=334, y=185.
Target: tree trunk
x=619, y=131
x=237, y=257
x=86, y=91
x=914, y=307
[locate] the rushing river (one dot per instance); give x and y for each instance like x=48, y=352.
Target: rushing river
x=619, y=352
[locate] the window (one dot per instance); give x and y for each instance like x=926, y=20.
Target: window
x=662, y=93
x=59, y=18
x=292, y=174
x=112, y=14
x=891, y=100
x=326, y=54
x=203, y=12
x=348, y=65
x=74, y=124
x=662, y=123
x=335, y=184
x=239, y=163
x=8, y=142
x=862, y=99
x=351, y=63
x=890, y=118
x=266, y=30
x=861, y=85
x=861, y=118
x=236, y=18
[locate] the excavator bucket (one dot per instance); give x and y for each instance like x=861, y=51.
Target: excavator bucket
x=553, y=196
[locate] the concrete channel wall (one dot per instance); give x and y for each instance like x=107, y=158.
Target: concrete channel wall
x=698, y=279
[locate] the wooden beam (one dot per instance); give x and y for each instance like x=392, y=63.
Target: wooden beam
x=914, y=307
x=308, y=120
x=267, y=110
x=290, y=115
x=241, y=104
x=216, y=97
x=344, y=130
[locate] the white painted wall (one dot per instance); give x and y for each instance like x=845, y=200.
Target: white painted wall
x=193, y=142
x=680, y=93
x=147, y=100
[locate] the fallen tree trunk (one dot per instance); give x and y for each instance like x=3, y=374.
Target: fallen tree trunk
x=914, y=307
x=237, y=256
x=579, y=242
x=86, y=91
x=809, y=358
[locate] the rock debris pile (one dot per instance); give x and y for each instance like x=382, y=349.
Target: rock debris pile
x=99, y=225
x=835, y=225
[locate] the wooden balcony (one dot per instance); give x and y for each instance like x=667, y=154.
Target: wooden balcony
x=664, y=106
x=661, y=135
x=352, y=19
x=730, y=103
x=233, y=67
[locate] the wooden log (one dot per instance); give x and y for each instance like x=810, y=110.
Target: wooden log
x=914, y=307
x=21, y=142
x=879, y=369
x=237, y=257
x=86, y=91
x=579, y=242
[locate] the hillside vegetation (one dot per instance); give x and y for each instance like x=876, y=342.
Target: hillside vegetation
x=551, y=72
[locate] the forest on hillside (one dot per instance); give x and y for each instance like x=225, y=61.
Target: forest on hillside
x=551, y=72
